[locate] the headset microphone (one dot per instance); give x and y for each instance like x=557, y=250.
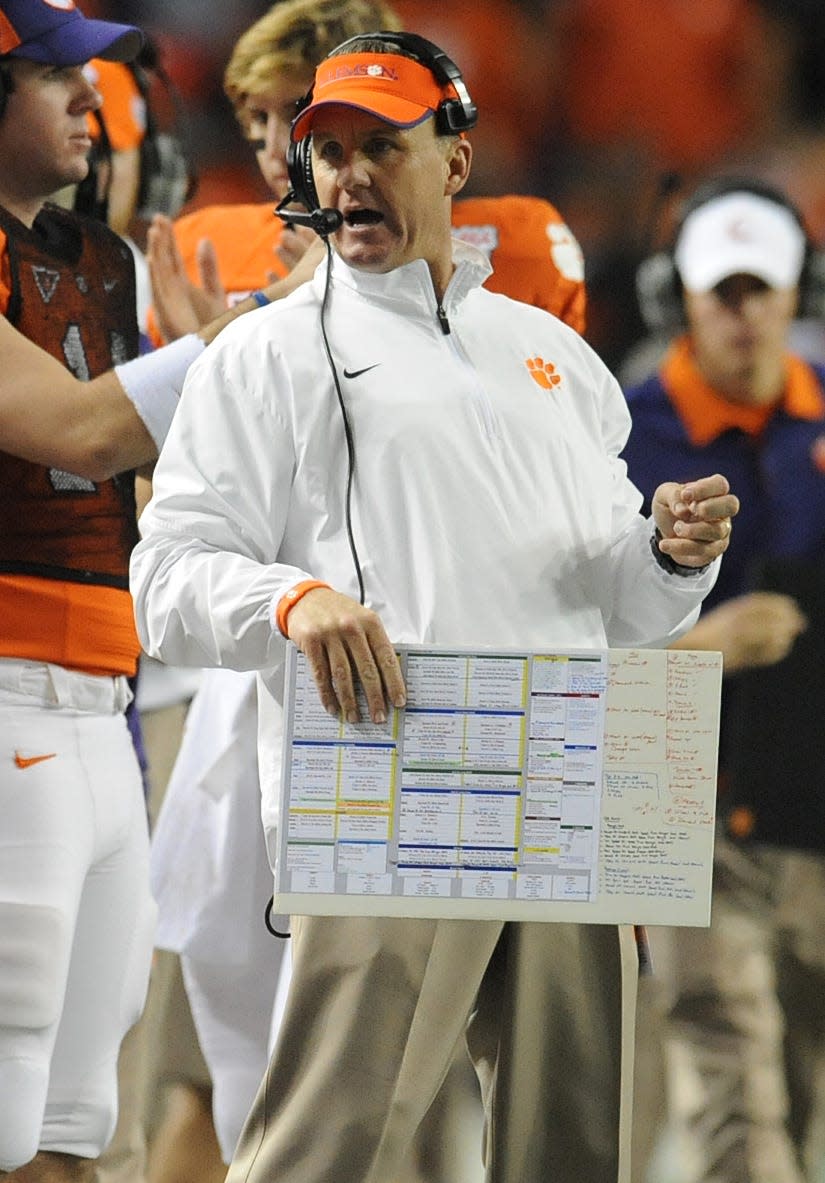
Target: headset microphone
x=322, y=221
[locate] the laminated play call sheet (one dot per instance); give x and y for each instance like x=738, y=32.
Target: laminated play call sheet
x=574, y=785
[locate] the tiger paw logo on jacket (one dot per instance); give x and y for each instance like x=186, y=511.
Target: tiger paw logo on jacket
x=543, y=373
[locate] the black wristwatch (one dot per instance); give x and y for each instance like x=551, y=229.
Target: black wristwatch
x=670, y=565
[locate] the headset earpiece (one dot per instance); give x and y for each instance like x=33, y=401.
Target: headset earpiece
x=302, y=189
x=658, y=293
x=167, y=177
x=299, y=168
x=167, y=181
x=659, y=288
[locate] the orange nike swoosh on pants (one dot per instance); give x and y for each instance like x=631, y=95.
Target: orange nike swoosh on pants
x=27, y=761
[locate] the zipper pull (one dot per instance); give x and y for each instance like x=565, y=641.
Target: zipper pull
x=442, y=319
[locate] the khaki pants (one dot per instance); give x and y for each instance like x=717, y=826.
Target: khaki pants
x=375, y=1012
x=745, y=1020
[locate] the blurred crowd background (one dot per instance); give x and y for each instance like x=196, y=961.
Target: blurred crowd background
x=611, y=109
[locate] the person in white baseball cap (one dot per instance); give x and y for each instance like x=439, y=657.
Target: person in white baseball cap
x=742, y=999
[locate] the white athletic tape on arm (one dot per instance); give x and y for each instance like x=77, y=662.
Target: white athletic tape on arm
x=154, y=381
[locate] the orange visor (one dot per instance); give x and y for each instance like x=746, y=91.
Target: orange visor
x=395, y=88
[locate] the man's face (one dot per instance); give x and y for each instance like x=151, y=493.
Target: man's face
x=44, y=136
x=267, y=118
x=392, y=186
x=739, y=331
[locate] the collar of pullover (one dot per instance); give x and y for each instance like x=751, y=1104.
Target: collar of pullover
x=410, y=288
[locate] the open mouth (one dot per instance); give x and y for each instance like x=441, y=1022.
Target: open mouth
x=363, y=217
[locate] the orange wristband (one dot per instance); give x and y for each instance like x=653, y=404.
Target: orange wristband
x=287, y=602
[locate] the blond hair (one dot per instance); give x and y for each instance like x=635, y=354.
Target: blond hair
x=293, y=37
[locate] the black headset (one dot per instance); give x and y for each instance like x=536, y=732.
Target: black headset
x=659, y=286
x=167, y=175
x=452, y=117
